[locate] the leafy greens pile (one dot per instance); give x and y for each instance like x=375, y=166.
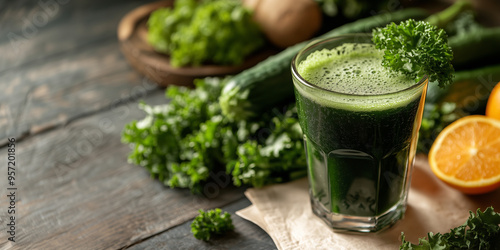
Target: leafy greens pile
x=185, y=142
x=480, y=231
x=210, y=223
x=196, y=32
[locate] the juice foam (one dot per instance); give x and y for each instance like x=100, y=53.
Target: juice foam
x=353, y=70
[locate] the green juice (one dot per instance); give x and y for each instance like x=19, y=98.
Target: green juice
x=360, y=123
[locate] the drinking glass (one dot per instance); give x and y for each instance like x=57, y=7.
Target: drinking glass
x=360, y=147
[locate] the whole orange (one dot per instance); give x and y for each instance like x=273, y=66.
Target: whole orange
x=493, y=105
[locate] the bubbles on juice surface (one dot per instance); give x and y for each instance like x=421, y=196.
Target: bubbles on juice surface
x=352, y=69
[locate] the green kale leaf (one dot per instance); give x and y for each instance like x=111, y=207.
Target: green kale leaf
x=211, y=223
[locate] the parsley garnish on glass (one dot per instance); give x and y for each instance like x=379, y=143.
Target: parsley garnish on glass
x=416, y=48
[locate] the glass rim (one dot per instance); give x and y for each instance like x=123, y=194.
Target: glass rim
x=319, y=41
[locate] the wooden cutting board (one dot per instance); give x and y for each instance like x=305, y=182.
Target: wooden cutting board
x=132, y=37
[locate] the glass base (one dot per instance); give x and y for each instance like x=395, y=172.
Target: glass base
x=363, y=224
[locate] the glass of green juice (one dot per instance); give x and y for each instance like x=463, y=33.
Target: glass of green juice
x=360, y=122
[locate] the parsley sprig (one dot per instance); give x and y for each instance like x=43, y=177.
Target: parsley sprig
x=211, y=223
x=416, y=48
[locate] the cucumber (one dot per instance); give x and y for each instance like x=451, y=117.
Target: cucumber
x=478, y=48
x=269, y=83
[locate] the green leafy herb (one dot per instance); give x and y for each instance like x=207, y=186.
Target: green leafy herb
x=416, y=48
x=480, y=231
x=279, y=159
x=208, y=31
x=210, y=223
x=185, y=142
x=166, y=141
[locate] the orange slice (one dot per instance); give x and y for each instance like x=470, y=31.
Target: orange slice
x=466, y=154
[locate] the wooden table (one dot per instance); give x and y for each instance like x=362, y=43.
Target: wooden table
x=66, y=92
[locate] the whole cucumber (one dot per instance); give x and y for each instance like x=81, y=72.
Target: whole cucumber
x=475, y=49
x=269, y=83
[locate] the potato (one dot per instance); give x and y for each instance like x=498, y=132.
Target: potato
x=286, y=22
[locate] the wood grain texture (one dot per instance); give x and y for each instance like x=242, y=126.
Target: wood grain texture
x=32, y=31
x=74, y=67
x=77, y=191
x=246, y=235
x=43, y=96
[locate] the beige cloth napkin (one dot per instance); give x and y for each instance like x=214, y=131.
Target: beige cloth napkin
x=284, y=212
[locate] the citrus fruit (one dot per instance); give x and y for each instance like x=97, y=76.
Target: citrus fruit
x=493, y=105
x=466, y=154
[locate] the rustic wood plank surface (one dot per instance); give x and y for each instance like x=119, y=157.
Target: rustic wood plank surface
x=34, y=31
x=67, y=66
x=66, y=93
x=42, y=97
x=76, y=190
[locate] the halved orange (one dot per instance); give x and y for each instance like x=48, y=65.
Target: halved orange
x=466, y=154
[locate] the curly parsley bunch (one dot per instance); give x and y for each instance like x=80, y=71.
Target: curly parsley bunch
x=184, y=142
